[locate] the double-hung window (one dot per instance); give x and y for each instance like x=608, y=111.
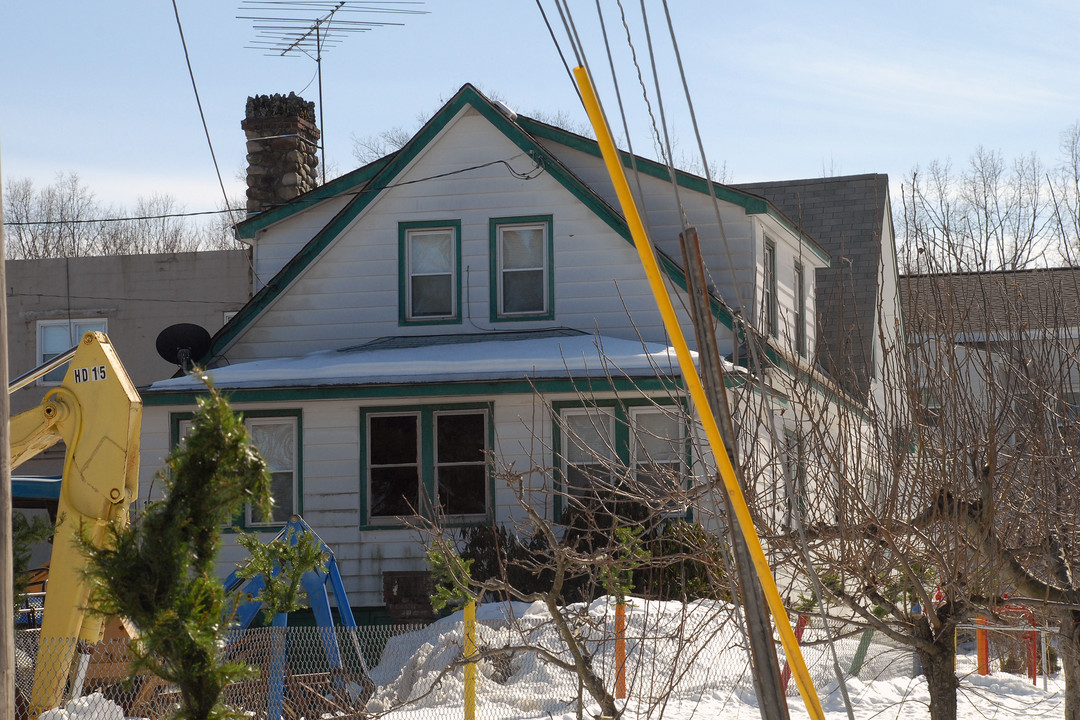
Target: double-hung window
x=430, y=275
x=800, y=310
x=795, y=484
x=419, y=458
x=768, y=290
x=276, y=435
x=57, y=336
x=521, y=268
x=626, y=453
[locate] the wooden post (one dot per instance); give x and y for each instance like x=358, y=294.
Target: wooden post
x=7, y=580
x=470, y=663
x=982, y=647
x=620, y=649
x=772, y=701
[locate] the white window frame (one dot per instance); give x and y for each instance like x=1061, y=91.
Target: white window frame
x=769, y=308
x=251, y=514
x=412, y=233
x=76, y=327
x=372, y=518
x=500, y=227
x=438, y=464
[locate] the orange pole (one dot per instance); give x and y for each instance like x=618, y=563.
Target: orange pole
x=982, y=647
x=620, y=649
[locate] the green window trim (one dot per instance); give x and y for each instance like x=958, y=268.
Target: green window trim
x=426, y=417
x=768, y=290
x=621, y=410
x=240, y=522
x=405, y=316
x=800, y=310
x=495, y=282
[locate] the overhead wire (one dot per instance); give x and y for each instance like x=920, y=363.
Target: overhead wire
x=533, y=172
x=800, y=526
x=198, y=102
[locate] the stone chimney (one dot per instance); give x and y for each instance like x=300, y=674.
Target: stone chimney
x=282, y=147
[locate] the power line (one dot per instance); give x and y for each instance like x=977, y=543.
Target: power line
x=534, y=171
x=202, y=115
x=121, y=219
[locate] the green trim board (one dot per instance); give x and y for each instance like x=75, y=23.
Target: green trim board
x=382, y=179
x=405, y=273
x=348, y=183
x=426, y=414
x=421, y=390
x=494, y=283
x=621, y=409
x=752, y=204
x=240, y=521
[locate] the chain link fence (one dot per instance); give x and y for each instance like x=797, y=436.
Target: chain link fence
x=674, y=653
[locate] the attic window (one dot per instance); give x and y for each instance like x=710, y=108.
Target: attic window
x=521, y=260
x=430, y=286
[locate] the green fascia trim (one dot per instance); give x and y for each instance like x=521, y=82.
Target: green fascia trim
x=240, y=522
x=466, y=96
x=752, y=204
x=403, y=285
x=493, y=267
x=426, y=414
x=349, y=182
x=422, y=390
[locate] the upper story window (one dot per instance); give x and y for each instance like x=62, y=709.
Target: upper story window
x=521, y=268
x=57, y=336
x=430, y=272
x=800, y=310
x=413, y=456
x=768, y=290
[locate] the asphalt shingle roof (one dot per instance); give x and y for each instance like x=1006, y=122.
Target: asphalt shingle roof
x=978, y=304
x=845, y=216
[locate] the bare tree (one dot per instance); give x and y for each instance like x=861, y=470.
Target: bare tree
x=991, y=215
x=65, y=220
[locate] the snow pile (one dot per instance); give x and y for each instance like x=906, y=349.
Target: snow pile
x=676, y=650
x=702, y=675
x=89, y=707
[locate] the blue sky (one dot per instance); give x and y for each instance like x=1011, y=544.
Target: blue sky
x=782, y=90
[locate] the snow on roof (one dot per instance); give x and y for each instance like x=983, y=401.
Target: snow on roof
x=447, y=358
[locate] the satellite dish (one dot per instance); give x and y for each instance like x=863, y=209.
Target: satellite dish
x=182, y=344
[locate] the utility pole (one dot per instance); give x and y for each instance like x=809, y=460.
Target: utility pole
x=7, y=581
x=766, y=667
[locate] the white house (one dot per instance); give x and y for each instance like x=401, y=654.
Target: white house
x=477, y=292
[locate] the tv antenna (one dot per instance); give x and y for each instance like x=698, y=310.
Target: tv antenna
x=311, y=27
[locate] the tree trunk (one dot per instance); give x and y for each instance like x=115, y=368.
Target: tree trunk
x=1070, y=662
x=939, y=667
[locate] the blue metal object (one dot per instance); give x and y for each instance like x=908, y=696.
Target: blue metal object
x=315, y=584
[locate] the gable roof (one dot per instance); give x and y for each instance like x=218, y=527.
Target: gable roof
x=980, y=305
x=845, y=215
x=366, y=183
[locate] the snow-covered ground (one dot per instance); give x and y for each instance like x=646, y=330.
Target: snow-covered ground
x=683, y=661
x=701, y=676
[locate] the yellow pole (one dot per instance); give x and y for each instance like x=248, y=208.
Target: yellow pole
x=697, y=394
x=470, y=664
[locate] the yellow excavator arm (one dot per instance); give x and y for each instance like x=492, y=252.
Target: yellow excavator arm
x=97, y=412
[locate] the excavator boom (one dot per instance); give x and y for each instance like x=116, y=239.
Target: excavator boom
x=97, y=412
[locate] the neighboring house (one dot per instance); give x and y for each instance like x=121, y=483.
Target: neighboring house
x=132, y=298
x=478, y=293
x=857, y=299
x=1025, y=324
